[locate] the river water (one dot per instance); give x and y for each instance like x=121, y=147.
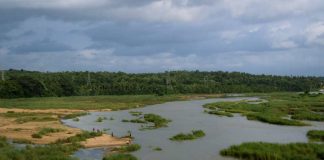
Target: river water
x=221, y=132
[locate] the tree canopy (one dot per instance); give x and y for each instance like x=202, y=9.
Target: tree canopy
x=20, y=83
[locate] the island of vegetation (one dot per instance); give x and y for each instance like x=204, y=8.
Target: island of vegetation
x=188, y=136
x=153, y=120
x=316, y=135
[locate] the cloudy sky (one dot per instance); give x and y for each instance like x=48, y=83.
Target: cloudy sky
x=284, y=37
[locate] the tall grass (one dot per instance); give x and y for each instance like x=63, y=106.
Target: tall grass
x=273, y=151
x=188, y=136
x=316, y=135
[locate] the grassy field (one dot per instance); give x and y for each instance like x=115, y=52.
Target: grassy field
x=93, y=102
x=277, y=108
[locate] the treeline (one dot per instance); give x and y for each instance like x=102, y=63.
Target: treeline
x=20, y=83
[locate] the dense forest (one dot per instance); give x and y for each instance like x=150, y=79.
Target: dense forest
x=20, y=83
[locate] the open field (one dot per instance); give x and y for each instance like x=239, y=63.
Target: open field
x=95, y=102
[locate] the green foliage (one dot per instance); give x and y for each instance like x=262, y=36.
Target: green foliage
x=275, y=108
x=75, y=115
x=22, y=141
x=46, y=152
x=157, y=120
x=128, y=148
x=271, y=151
x=220, y=113
x=316, y=135
x=46, y=131
x=99, y=119
x=134, y=121
x=59, y=84
x=87, y=102
x=135, y=113
x=157, y=149
x=79, y=137
x=35, y=119
x=120, y=156
x=274, y=119
x=189, y=136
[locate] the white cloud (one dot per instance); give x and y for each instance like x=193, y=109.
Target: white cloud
x=54, y=4
x=163, y=10
x=315, y=33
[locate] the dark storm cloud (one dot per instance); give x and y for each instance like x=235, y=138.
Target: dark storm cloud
x=255, y=36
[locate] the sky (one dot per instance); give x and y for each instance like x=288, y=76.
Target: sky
x=281, y=37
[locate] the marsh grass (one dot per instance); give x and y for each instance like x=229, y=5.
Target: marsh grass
x=220, y=113
x=153, y=121
x=316, y=135
x=79, y=137
x=46, y=131
x=75, y=115
x=113, y=102
x=274, y=151
x=157, y=149
x=128, y=148
x=274, y=108
x=46, y=152
x=134, y=121
x=188, y=136
x=120, y=156
x=22, y=141
x=136, y=113
x=157, y=120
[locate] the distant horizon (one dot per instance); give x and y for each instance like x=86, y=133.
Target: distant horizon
x=108, y=71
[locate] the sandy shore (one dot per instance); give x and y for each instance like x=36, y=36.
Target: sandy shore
x=17, y=131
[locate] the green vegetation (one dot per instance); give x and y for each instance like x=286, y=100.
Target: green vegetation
x=120, y=156
x=149, y=118
x=276, y=109
x=134, y=121
x=135, y=113
x=79, y=137
x=74, y=115
x=220, y=113
x=20, y=83
x=316, y=135
x=128, y=148
x=47, y=152
x=157, y=149
x=271, y=151
x=88, y=102
x=274, y=119
x=22, y=141
x=157, y=120
x=46, y=131
x=99, y=119
x=23, y=117
x=189, y=136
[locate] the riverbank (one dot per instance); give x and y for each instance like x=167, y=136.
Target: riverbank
x=21, y=118
x=21, y=125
